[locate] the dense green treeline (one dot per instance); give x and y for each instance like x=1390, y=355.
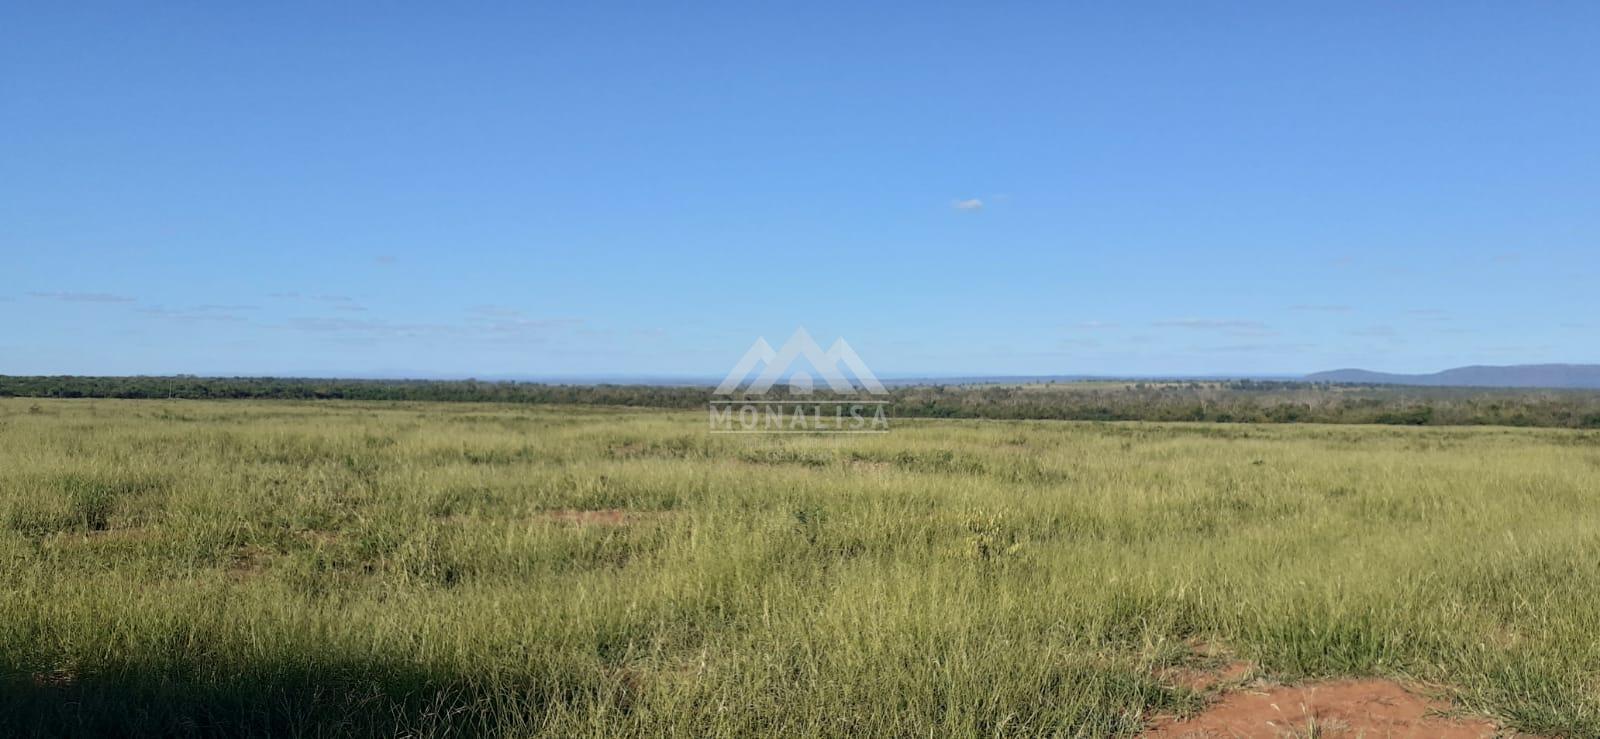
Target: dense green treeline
x=1237, y=401
x=1248, y=401
x=287, y=388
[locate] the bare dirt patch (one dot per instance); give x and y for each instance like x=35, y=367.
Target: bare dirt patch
x=247, y=562
x=1230, y=675
x=1367, y=708
x=870, y=465
x=318, y=537
x=1211, y=669
x=604, y=517
x=1246, y=705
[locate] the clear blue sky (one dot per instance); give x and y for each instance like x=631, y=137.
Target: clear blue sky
x=569, y=189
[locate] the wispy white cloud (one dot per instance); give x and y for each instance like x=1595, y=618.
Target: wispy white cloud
x=1228, y=326
x=970, y=205
x=527, y=327
x=494, y=311
x=1256, y=348
x=204, y=313
x=365, y=327
x=318, y=298
x=73, y=297
x=1376, y=331
x=499, y=330
x=1311, y=308
x=1205, y=324
x=224, y=308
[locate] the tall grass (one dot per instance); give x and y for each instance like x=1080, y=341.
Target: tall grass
x=302, y=569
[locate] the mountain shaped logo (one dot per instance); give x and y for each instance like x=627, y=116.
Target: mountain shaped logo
x=775, y=365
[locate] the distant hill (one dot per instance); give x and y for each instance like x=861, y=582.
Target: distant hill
x=1521, y=375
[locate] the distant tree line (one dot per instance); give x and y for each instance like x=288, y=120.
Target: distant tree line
x=1254, y=401
x=288, y=388
x=1238, y=401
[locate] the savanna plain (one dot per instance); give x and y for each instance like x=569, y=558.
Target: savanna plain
x=326, y=568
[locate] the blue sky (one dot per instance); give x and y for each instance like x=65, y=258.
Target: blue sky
x=553, y=190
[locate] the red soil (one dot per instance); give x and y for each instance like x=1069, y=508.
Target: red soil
x=1367, y=708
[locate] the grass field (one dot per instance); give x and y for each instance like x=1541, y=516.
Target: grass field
x=325, y=568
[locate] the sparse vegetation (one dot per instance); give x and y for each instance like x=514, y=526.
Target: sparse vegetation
x=1234, y=401
x=276, y=568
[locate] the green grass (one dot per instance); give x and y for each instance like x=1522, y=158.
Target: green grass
x=330, y=568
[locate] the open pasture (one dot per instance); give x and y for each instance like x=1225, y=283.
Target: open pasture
x=317, y=568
